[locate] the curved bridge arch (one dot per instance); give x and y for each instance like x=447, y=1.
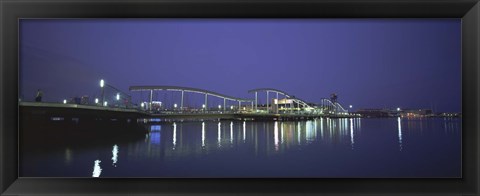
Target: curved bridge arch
x=297, y=100
x=336, y=105
x=188, y=89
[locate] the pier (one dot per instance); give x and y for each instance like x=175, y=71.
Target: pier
x=278, y=105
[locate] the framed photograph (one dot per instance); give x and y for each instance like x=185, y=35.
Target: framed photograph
x=271, y=97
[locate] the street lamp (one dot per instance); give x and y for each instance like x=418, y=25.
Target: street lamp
x=398, y=109
x=105, y=103
x=231, y=107
x=203, y=106
x=96, y=100
x=64, y=101
x=142, y=105
x=175, y=106
x=102, y=85
x=219, y=107
x=118, y=96
x=350, y=106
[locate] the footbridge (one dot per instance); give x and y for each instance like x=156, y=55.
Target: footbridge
x=183, y=90
x=289, y=101
x=277, y=103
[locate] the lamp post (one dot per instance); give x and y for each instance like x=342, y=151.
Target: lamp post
x=102, y=85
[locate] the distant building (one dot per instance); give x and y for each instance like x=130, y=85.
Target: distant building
x=416, y=113
x=408, y=113
x=374, y=113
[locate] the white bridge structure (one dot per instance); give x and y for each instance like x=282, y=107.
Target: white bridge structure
x=277, y=102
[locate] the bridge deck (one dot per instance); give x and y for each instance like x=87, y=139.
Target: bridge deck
x=71, y=110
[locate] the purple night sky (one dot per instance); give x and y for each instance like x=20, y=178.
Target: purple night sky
x=369, y=63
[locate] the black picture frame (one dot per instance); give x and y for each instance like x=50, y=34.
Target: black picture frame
x=12, y=10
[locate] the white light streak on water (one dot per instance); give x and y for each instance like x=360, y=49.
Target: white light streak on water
x=321, y=128
x=351, y=133
x=96, y=169
x=203, y=134
x=219, y=133
x=400, y=133
x=231, y=132
x=115, y=155
x=174, y=135
x=244, y=131
x=299, y=131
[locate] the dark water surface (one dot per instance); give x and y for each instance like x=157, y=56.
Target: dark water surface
x=388, y=147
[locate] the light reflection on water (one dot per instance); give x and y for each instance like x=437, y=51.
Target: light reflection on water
x=400, y=132
x=97, y=170
x=330, y=144
x=262, y=136
x=115, y=155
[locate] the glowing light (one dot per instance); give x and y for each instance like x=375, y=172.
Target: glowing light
x=275, y=101
x=203, y=134
x=399, y=133
x=64, y=101
x=155, y=138
x=219, y=132
x=203, y=105
x=231, y=107
x=155, y=128
x=350, y=106
x=175, y=105
x=142, y=104
x=219, y=107
x=398, y=109
x=105, y=103
x=115, y=154
x=174, y=135
x=243, y=108
x=321, y=127
x=231, y=132
x=102, y=83
x=96, y=100
x=118, y=96
x=351, y=132
x=299, y=132
x=244, y=131
x=97, y=170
